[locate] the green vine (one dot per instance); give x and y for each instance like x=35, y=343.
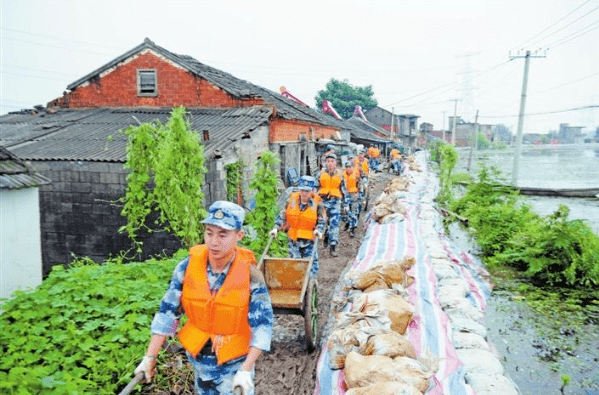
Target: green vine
x=166, y=177
x=262, y=218
x=235, y=181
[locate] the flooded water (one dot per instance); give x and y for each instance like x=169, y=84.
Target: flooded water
x=555, y=167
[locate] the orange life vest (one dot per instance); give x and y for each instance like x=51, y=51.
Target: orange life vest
x=329, y=185
x=301, y=223
x=376, y=153
x=222, y=317
x=351, y=181
x=395, y=154
x=364, y=165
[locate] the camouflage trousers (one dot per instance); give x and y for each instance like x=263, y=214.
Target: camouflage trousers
x=211, y=379
x=353, y=210
x=302, y=248
x=333, y=207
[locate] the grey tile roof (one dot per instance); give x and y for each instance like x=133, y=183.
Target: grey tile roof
x=15, y=174
x=92, y=134
x=286, y=108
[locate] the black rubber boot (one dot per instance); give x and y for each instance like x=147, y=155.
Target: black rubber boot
x=346, y=226
x=352, y=232
x=326, y=240
x=334, y=250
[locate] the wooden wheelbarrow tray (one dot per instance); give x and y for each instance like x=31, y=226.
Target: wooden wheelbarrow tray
x=292, y=290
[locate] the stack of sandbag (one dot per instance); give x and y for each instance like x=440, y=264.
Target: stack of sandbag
x=387, y=208
x=397, y=184
x=412, y=164
x=382, y=276
x=388, y=302
x=380, y=374
x=352, y=331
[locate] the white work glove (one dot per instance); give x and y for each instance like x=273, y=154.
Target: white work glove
x=146, y=365
x=318, y=234
x=273, y=233
x=243, y=379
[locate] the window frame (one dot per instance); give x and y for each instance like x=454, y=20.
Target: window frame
x=147, y=94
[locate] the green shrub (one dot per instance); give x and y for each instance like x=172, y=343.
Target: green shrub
x=83, y=330
x=552, y=250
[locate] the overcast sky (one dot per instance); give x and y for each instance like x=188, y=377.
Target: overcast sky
x=417, y=55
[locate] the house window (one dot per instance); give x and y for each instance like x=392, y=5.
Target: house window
x=146, y=83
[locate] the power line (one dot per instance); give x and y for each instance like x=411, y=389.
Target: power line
x=563, y=27
x=550, y=26
x=573, y=36
x=546, y=112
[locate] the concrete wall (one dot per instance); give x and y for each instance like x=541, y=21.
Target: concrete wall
x=301, y=156
x=20, y=245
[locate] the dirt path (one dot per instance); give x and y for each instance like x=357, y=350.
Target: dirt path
x=289, y=369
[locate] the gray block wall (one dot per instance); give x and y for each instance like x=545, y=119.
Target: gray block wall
x=80, y=214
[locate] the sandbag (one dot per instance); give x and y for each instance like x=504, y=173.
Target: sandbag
x=383, y=275
x=362, y=371
x=390, y=344
x=351, y=333
x=392, y=218
x=399, y=310
x=485, y=384
x=469, y=340
x=386, y=388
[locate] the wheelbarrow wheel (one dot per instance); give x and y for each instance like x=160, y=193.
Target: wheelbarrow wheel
x=311, y=314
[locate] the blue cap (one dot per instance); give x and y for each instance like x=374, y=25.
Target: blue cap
x=348, y=164
x=306, y=183
x=225, y=215
x=331, y=156
x=330, y=147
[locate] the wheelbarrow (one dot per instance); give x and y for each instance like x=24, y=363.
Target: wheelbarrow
x=292, y=290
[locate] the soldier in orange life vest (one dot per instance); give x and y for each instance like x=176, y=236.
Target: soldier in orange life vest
x=352, y=182
x=227, y=304
x=304, y=215
x=395, y=158
x=362, y=164
x=332, y=191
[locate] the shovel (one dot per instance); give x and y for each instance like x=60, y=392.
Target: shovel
x=138, y=378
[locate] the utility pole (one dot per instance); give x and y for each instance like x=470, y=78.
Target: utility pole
x=392, y=124
x=475, y=143
x=521, y=115
x=455, y=113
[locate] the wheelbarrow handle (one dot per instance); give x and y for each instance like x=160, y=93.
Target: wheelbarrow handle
x=271, y=238
x=137, y=379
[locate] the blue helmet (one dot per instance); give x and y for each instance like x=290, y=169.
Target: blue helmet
x=225, y=215
x=306, y=183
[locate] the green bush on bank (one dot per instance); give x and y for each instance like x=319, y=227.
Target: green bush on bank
x=83, y=330
x=552, y=250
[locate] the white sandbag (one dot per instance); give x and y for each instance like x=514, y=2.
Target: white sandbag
x=460, y=324
x=480, y=362
x=443, y=271
x=387, y=388
x=485, y=384
x=469, y=340
x=392, y=218
x=465, y=309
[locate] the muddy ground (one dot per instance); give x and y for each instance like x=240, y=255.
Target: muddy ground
x=289, y=368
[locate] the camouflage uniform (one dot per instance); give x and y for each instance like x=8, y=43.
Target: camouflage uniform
x=332, y=205
x=209, y=377
x=302, y=248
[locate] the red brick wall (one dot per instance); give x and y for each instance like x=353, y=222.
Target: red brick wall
x=284, y=130
x=176, y=87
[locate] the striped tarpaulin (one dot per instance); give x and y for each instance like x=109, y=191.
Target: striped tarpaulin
x=430, y=331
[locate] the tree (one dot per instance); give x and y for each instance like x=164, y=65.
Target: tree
x=344, y=97
x=503, y=133
x=166, y=178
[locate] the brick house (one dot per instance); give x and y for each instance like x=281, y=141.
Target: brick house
x=75, y=142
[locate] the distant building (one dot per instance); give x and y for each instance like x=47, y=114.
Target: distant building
x=403, y=127
x=569, y=134
x=465, y=131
